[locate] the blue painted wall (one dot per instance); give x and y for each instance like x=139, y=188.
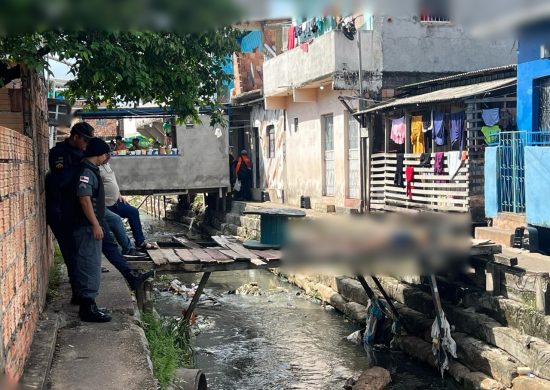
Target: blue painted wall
x=491, y=182
x=530, y=69
x=537, y=185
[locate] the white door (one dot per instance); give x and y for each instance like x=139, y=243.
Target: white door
x=354, y=168
x=328, y=147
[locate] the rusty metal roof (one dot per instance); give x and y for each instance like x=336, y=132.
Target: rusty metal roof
x=446, y=94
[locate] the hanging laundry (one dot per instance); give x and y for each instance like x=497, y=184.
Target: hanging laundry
x=426, y=160
x=428, y=140
x=438, y=165
x=439, y=128
x=427, y=121
x=454, y=162
x=398, y=130
x=417, y=136
x=398, y=178
x=457, y=126
x=491, y=116
x=291, y=38
x=491, y=134
x=409, y=175
x=304, y=47
x=464, y=156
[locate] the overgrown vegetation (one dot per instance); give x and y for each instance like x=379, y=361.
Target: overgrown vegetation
x=170, y=346
x=55, y=275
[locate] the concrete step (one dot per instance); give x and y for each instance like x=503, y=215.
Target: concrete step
x=509, y=221
x=497, y=235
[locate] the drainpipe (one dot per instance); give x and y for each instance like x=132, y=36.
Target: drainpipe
x=362, y=142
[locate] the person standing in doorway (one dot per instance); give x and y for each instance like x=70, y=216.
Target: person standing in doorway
x=120, y=145
x=243, y=170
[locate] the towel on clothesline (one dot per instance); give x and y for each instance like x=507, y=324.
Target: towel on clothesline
x=491, y=116
x=398, y=130
x=439, y=128
x=454, y=162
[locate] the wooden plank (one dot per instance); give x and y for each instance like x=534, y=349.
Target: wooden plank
x=186, y=242
x=186, y=256
x=170, y=255
x=241, y=250
x=201, y=267
x=203, y=256
x=257, y=262
x=218, y=256
x=157, y=256
x=221, y=241
x=234, y=255
x=268, y=255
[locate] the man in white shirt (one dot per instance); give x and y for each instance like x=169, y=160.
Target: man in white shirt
x=116, y=204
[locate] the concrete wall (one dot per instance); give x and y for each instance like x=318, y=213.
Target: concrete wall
x=304, y=150
x=491, y=182
x=272, y=170
x=326, y=56
x=25, y=241
x=537, y=185
x=413, y=46
x=203, y=163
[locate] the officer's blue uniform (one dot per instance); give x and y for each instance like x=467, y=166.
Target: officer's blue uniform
x=64, y=160
x=88, y=249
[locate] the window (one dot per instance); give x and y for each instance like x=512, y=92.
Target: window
x=295, y=125
x=101, y=122
x=271, y=140
x=328, y=146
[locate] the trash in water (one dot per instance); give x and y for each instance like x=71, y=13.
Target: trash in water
x=249, y=289
x=180, y=289
x=355, y=338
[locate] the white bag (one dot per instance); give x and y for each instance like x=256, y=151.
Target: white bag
x=237, y=186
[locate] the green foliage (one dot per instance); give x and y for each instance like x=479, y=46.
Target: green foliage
x=181, y=71
x=55, y=275
x=169, y=345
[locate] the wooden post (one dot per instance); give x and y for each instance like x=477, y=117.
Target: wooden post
x=407, y=132
x=492, y=279
x=144, y=296
x=542, y=294
x=386, y=133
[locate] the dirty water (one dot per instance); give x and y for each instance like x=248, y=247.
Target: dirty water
x=281, y=339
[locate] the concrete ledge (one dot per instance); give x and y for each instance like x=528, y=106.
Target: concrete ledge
x=37, y=367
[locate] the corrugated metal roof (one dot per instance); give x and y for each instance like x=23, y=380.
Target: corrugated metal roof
x=458, y=76
x=445, y=94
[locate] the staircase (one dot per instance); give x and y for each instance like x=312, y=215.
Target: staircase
x=503, y=229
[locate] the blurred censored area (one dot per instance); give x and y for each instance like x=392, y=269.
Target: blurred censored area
x=385, y=244
x=189, y=16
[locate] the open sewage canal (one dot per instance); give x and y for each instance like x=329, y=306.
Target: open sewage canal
x=281, y=339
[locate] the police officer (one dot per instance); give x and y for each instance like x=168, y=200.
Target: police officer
x=64, y=160
x=88, y=233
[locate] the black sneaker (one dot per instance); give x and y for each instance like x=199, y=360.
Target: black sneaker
x=134, y=254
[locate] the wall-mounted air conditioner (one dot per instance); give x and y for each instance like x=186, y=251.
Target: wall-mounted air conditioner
x=545, y=51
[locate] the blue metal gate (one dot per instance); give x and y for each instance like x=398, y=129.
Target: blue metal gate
x=511, y=171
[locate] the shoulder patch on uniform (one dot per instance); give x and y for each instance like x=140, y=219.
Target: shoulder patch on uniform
x=59, y=165
x=82, y=185
x=84, y=179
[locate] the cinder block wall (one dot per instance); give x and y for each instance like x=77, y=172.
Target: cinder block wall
x=25, y=243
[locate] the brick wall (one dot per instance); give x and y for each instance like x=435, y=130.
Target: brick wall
x=25, y=244
x=104, y=128
x=248, y=72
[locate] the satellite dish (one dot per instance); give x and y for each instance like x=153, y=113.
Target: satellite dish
x=59, y=113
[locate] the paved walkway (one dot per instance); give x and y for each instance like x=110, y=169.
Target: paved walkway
x=101, y=356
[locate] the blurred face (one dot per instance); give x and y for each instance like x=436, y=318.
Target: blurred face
x=103, y=159
x=135, y=142
x=80, y=142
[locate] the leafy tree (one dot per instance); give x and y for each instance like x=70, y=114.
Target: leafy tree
x=180, y=67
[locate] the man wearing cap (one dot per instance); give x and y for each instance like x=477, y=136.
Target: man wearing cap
x=243, y=170
x=88, y=232
x=64, y=159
